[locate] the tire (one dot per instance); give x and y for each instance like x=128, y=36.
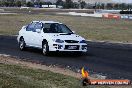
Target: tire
x=45, y=49
x=22, y=44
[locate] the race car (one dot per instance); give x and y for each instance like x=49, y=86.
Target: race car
x=50, y=36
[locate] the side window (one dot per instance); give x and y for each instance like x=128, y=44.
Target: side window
x=37, y=26
x=46, y=28
x=30, y=27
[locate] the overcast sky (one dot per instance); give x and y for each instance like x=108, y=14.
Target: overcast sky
x=123, y=1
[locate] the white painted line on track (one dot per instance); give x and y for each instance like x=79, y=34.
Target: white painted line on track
x=6, y=55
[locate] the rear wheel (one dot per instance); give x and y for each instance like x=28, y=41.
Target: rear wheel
x=45, y=48
x=22, y=44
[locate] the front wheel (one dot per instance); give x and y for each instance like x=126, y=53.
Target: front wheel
x=22, y=44
x=45, y=49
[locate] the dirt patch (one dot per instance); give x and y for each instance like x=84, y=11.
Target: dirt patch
x=6, y=59
x=13, y=61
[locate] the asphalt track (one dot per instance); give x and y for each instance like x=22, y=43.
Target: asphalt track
x=113, y=61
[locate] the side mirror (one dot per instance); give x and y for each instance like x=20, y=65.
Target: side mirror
x=38, y=30
x=73, y=31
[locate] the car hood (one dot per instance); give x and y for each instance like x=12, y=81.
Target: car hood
x=63, y=36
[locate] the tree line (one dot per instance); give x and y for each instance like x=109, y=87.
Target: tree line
x=66, y=4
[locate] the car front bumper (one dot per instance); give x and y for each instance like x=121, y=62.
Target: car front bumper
x=81, y=47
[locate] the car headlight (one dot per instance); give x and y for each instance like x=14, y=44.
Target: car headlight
x=83, y=41
x=59, y=41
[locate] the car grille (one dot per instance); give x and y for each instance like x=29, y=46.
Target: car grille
x=67, y=47
x=71, y=41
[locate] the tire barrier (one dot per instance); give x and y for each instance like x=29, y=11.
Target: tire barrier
x=126, y=17
x=125, y=12
x=111, y=16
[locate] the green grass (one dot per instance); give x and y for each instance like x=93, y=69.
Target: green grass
x=12, y=76
x=88, y=27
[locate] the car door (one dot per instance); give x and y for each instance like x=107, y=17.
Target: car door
x=28, y=34
x=37, y=36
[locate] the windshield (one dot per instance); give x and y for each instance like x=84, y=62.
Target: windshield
x=56, y=28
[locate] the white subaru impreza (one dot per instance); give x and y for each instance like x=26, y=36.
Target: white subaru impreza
x=50, y=36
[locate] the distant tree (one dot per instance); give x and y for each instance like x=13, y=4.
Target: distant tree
x=83, y=4
x=5, y=3
x=48, y=3
x=8, y=3
x=41, y=3
x=95, y=6
x=102, y=6
x=36, y=3
x=18, y=3
x=59, y=2
x=122, y=6
x=115, y=6
x=0, y=3
x=12, y=4
x=23, y=3
x=89, y=6
x=76, y=5
x=68, y=4
x=130, y=6
x=29, y=4
x=109, y=6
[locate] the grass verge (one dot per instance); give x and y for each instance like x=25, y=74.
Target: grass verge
x=12, y=76
x=20, y=74
x=90, y=28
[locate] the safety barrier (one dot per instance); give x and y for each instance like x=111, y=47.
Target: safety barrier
x=111, y=16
